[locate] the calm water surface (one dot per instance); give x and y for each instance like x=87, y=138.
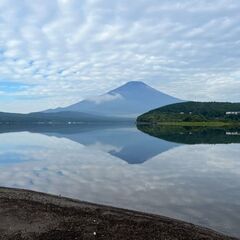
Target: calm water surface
x=190, y=179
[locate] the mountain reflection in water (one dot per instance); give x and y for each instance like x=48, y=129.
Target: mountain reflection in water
x=123, y=140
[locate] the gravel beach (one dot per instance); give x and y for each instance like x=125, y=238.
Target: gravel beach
x=31, y=215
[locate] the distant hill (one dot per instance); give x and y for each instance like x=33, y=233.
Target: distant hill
x=131, y=99
x=194, y=112
x=56, y=118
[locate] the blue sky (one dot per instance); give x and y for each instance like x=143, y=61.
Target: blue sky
x=54, y=53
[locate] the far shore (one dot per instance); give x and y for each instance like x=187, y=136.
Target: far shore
x=193, y=124
x=37, y=216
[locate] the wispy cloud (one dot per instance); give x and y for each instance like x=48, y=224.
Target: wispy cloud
x=105, y=98
x=67, y=50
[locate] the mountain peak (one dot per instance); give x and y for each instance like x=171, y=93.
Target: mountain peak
x=135, y=83
x=130, y=86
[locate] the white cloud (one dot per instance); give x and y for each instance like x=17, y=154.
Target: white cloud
x=105, y=98
x=70, y=50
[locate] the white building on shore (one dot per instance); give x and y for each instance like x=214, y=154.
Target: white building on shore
x=233, y=113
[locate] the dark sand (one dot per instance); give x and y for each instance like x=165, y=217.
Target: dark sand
x=30, y=215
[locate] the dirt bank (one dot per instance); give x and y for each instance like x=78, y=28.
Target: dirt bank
x=30, y=215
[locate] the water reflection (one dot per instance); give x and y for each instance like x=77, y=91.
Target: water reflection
x=197, y=183
x=193, y=135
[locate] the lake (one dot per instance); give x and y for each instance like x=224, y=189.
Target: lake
x=188, y=174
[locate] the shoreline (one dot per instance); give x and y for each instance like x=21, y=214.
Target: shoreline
x=192, y=124
x=26, y=214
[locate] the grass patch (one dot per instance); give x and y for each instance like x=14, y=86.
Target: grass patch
x=199, y=124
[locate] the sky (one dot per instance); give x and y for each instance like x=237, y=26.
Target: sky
x=55, y=53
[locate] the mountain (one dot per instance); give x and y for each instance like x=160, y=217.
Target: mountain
x=131, y=100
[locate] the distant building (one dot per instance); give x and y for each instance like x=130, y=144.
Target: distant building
x=233, y=133
x=233, y=113
x=181, y=113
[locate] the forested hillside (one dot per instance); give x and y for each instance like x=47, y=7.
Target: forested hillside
x=193, y=112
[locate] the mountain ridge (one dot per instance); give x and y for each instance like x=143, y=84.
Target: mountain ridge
x=56, y=118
